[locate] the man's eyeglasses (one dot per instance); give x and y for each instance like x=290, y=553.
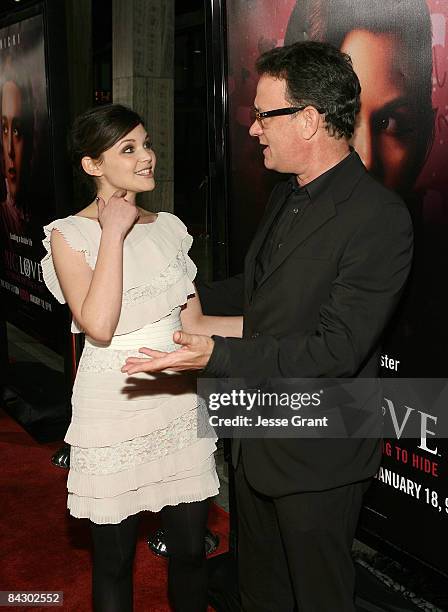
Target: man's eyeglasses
x=289, y=110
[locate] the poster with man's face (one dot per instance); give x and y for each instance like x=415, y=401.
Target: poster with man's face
x=399, y=50
x=26, y=186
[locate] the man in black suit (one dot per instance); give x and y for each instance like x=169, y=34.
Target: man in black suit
x=322, y=277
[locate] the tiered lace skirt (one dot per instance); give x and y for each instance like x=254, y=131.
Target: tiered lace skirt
x=138, y=442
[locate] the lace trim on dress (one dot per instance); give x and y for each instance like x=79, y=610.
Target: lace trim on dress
x=160, y=284
x=96, y=361
x=180, y=433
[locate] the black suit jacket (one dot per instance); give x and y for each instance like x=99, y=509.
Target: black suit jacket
x=319, y=311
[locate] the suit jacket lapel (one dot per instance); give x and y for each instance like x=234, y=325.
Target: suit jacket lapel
x=260, y=236
x=316, y=214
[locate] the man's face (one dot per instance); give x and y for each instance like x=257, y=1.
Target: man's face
x=12, y=135
x=385, y=136
x=278, y=135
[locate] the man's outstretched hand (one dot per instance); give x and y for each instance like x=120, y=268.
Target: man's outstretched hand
x=194, y=354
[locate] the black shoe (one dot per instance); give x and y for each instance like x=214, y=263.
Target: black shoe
x=157, y=543
x=61, y=458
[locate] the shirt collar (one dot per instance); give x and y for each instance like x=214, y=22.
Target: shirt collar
x=319, y=184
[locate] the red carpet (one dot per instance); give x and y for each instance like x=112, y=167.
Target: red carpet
x=44, y=549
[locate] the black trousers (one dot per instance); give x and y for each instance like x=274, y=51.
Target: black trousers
x=113, y=560
x=294, y=552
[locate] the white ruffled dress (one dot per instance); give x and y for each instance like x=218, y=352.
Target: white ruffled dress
x=138, y=442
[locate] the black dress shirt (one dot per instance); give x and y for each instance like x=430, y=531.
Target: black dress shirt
x=293, y=207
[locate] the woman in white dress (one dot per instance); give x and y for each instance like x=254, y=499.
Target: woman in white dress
x=140, y=442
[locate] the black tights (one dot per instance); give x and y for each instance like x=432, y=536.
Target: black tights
x=113, y=557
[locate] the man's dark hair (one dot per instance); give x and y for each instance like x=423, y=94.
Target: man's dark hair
x=319, y=75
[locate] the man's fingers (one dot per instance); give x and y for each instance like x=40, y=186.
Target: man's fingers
x=186, y=357
x=134, y=360
x=139, y=361
x=151, y=352
x=148, y=365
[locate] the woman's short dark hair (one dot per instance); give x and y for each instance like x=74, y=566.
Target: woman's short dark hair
x=408, y=21
x=319, y=75
x=97, y=130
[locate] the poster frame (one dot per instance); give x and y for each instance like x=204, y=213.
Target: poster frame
x=220, y=198
x=54, y=30
x=54, y=425
x=218, y=138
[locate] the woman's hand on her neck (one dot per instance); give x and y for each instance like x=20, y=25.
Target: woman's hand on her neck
x=117, y=215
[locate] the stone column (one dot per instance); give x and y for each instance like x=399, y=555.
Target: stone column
x=143, y=78
x=79, y=54
x=78, y=15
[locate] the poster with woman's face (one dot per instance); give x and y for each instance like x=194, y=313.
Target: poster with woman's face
x=399, y=51
x=26, y=187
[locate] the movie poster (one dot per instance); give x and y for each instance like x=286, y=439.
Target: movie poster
x=399, y=50
x=26, y=184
